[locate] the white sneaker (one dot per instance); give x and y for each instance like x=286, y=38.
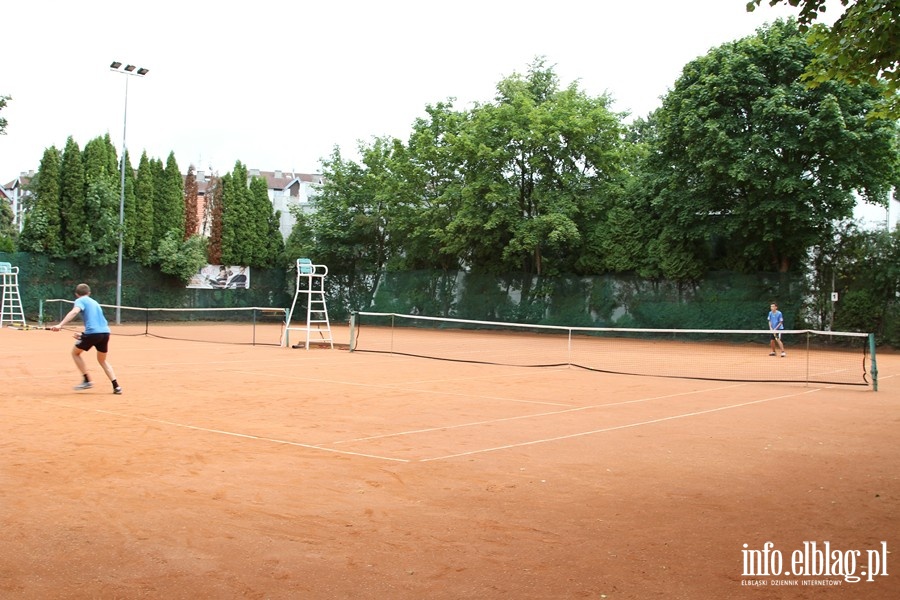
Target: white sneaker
x=783, y=355
x=84, y=385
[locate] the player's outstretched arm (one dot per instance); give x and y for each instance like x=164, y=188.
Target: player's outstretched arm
x=71, y=315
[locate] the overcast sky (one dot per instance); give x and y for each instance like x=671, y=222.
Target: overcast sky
x=277, y=84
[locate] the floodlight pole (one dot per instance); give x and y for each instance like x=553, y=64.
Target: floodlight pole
x=117, y=67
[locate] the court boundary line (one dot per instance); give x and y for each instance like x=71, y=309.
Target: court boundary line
x=615, y=427
x=544, y=414
x=226, y=433
x=328, y=449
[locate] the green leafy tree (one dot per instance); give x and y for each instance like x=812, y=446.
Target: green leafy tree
x=191, y=215
x=72, y=201
x=347, y=226
x=863, y=266
x=144, y=206
x=99, y=161
x=130, y=212
x=181, y=257
x=540, y=164
x=300, y=243
x=172, y=199
x=863, y=46
x=98, y=241
x=275, y=241
x=262, y=252
x=238, y=228
x=749, y=162
x=3, y=121
x=349, y=215
x=42, y=230
x=511, y=185
x=8, y=231
x=161, y=217
x=425, y=186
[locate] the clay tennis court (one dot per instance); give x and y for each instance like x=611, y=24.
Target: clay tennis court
x=229, y=471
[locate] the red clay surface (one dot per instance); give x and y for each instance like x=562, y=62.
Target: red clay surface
x=262, y=472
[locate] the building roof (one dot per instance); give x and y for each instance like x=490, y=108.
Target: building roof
x=280, y=180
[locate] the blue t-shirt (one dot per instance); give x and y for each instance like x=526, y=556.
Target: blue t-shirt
x=776, y=319
x=94, y=321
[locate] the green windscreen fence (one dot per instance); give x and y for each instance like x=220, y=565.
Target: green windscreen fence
x=719, y=301
x=42, y=278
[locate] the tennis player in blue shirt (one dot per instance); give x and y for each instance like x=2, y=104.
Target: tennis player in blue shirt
x=776, y=323
x=95, y=335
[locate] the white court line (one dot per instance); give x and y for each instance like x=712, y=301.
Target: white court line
x=228, y=433
x=607, y=429
x=544, y=414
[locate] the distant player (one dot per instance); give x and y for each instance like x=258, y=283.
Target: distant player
x=95, y=335
x=776, y=324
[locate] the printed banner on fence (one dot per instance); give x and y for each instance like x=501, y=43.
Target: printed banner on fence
x=221, y=277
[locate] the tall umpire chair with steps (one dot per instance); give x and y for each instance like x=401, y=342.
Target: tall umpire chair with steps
x=311, y=288
x=11, y=309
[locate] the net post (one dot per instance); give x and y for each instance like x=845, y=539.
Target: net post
x=808, y=336
x=352, y=331
x=253, y=313
x=874, y=363
x=41, y=312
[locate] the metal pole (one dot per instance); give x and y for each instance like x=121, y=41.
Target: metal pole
x=139, y=72
x=121, y=214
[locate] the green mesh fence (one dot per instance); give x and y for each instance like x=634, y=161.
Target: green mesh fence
x=719, y=301
x=42, y=278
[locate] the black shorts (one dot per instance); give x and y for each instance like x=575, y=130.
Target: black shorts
x=100, y=341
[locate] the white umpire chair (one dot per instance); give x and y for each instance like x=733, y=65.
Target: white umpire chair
x=11, y=308
x=311, y=287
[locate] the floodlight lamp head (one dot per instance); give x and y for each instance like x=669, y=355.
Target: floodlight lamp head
x=143, y=71
x=115, y=64
x=130, y=68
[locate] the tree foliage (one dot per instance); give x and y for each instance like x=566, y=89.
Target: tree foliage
x=191, y=215
x=863, y=46
x=144, y=208
x=75, y=212
x=349, y=217
x=72, y=197
x=510, y=185
x=98, y=240
x=181, y=257
x=42, y=231
x=749, y=163
x=8, y=231
x=168, y=214
x=3, y=121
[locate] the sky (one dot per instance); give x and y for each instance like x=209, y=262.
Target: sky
x=278, y=84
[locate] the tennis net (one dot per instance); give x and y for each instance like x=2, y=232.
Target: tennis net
x=252, y=325
x=821, y=357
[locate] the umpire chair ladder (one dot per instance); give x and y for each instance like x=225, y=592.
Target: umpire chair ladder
x=11, y=309
x=311, y=286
